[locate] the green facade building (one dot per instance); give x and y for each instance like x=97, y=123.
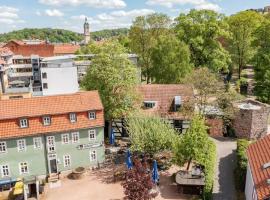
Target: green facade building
x=50, y=135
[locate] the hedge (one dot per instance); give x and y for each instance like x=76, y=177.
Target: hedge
x=241, y=165
x=210, y=164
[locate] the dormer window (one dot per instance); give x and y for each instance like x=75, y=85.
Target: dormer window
x=92, y=115
x=46, y=121
x=23, y=123
x=149, y=104
x=177, y=103
x=72, y=117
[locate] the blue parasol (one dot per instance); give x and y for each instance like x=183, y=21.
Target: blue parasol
x=155, y=176
x=128, y=160
x=112, y=137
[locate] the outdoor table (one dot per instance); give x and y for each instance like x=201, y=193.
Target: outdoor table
x=187, y=182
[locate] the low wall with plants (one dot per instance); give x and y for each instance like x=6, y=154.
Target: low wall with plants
x=241, y=164
x=210, y=170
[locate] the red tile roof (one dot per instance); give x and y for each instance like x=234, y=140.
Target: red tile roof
x=41, y=49
x=21, y=48
x=37, y=106
x=259, y=154
x=58, y=107
x=60, y=49
x=164, y=95
x=4, y=51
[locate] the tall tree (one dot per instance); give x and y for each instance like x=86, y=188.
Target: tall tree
x=201, y=30
x=262, y=62
x=193, y=144
x=143, y=36
x=171, y=60
x=115, y=77
x=150, y=134
x=242, y=26
x=205, y=84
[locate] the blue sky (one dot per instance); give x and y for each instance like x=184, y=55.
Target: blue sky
x=102, y=14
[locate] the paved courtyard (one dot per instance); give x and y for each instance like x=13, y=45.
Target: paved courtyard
x=97, y=185
x=224, y=188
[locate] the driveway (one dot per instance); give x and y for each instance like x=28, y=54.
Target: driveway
x=224, y=188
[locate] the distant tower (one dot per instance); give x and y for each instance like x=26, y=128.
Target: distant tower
x=86, y=32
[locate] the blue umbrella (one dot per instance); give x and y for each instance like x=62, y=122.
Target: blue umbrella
x=155, y=176
x=112, y=137
x=128, y=160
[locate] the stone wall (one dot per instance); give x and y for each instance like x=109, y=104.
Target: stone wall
x=251, y=123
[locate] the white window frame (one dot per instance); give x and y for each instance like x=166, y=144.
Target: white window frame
x=21, y=143
x=46, y=120
x=37, y=140
x=51, y=147
x=20, y=168
x=24, y=123
x=3, y=144
x=72, y=117
x=92, y=132
x=67, y=158
x=92, y=115
x=2, y=170
x=63, y=138
x=75, y=135
x=91, y=153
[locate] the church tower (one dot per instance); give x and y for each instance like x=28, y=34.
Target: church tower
x=86, y=32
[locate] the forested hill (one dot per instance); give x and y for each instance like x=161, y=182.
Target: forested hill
x=58, y=35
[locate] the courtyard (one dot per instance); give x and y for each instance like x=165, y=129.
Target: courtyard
x=99, y=185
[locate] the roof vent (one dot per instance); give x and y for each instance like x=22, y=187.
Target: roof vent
x=268, y=181
x=266, y=165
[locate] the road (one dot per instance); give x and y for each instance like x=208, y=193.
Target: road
x=224, y=188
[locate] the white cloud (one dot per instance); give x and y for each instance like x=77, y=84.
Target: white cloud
x=9, y=15
x=54, y=13
x=208, y=6
x=198, y=4
x=115, y=19
x=90, y=3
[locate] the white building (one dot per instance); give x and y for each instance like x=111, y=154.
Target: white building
x=59, y=75
x=258, y=170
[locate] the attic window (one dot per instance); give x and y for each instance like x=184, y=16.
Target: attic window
x=149, y=104
x=177, y=103
x=266, y=165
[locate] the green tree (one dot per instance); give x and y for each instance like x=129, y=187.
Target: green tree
x=143, y=35
x=193, y=145
x=201, y=31
x=115, y=77
x=242, y=26
x=262, y=62
x=150, y=134
x=206, y=85
x=171, y=60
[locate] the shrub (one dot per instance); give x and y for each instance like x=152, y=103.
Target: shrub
x=210, y=162
x=241, y=165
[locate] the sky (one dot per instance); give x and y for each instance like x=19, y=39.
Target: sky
x=103, y=14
